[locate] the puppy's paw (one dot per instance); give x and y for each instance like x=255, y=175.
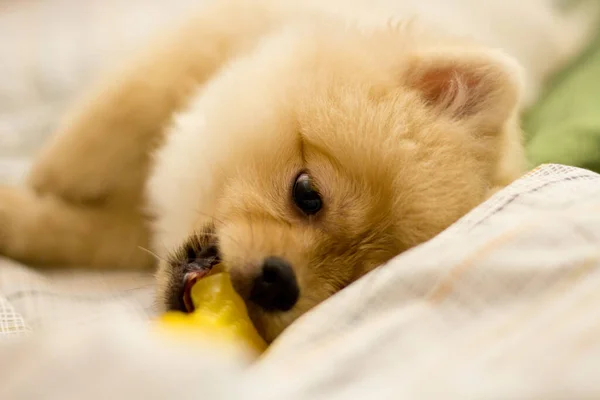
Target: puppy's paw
x=15, y=205
x=76, y=174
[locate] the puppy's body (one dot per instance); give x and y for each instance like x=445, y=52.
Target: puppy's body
x=195, y=148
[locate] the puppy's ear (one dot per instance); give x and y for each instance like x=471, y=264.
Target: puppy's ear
x=480, y=86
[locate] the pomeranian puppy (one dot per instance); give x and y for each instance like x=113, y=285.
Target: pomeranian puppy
x=300, y=145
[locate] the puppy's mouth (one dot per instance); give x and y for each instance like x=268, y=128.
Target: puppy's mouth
x=195, y=260
x=190, y=278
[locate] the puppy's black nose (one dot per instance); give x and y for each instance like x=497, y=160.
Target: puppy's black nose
x=275, y=289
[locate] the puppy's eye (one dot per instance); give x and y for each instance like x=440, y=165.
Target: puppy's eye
x=306, y=196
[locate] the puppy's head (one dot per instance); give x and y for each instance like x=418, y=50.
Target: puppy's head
x=319, y=157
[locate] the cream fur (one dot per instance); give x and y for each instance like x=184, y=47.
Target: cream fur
x=404, y=128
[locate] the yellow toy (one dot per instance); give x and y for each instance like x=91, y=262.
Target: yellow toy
x=219, y=315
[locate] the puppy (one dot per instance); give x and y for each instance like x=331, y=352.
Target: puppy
x=300, y=146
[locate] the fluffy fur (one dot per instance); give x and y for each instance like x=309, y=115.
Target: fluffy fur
x=195, y=145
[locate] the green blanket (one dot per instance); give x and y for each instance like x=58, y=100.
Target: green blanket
x=564, y=126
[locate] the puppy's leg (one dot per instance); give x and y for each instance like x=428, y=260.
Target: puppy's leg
x=102, y=153
x=47, y=230
x=87, y=185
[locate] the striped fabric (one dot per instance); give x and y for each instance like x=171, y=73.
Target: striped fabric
x=32, y=300
x=505, y=304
